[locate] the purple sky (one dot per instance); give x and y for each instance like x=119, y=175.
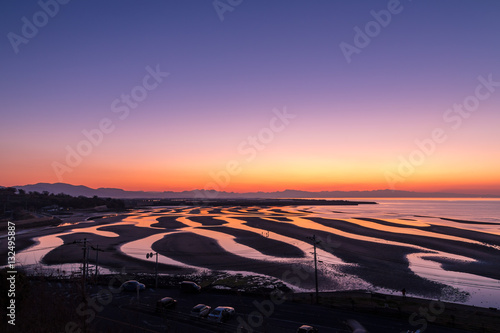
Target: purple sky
x=353, y=120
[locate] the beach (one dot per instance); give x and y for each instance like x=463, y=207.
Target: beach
x=354, y=252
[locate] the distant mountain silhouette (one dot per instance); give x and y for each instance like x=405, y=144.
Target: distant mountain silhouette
x=77, y=190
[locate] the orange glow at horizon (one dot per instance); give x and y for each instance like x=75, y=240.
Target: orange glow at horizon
x=280, y=166
x=158, y=181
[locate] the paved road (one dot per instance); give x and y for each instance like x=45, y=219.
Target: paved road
x=124, y=312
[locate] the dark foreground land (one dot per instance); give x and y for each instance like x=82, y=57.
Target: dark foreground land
x=64, y=306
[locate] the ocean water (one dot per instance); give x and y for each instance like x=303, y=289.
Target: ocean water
x=482, y=291
x=485, y=210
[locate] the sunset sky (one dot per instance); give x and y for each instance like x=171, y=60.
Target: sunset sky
x=265, y=99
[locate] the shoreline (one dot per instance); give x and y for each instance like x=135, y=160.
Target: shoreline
x=371, y=261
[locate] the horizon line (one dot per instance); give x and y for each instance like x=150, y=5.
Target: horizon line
x=268, y=192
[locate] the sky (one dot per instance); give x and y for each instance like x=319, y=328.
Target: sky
x=251, y=95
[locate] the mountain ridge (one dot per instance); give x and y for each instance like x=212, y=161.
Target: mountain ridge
x=106, y=192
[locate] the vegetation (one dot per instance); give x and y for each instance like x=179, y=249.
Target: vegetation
x=38, y=306
x=16, y=203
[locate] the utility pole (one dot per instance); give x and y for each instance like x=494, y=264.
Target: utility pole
x=84, y=276
x=84, y=268
x=315, y=268
x=313, y=238
x=156, y=273
x=87, y=262
x=96, y=262
x=150, y=255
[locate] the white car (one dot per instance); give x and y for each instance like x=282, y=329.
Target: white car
x=221, y=313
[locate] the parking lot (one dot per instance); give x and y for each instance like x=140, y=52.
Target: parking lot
x=107, y=309
x=117, y=311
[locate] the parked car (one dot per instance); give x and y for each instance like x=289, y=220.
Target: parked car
x=307, y=329
x=132, y=285
x=200, y=311
x=355, y=327
x=190, y=287
x=221, y=313
x=165, y=303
